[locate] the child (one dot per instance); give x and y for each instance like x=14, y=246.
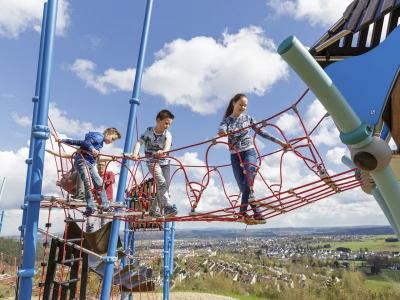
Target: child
x=157, y=142
x=85, y=161
x=71, y=181
x=108, y=179
x=242, y=149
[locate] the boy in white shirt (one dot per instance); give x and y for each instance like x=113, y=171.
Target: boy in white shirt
x=157, y=142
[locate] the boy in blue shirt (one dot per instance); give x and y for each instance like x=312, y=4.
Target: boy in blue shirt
x=157, y=142
x=86, y=164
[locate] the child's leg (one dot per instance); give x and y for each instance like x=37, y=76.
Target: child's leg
x=79, y=190
x=98, y=184
x=250, y=162
x=82, y=168
x=161, y=183
x=239, y=176
x=166, y=171
x=90, y=224
x=154, y=205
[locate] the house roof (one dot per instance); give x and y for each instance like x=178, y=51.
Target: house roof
x=359, y=30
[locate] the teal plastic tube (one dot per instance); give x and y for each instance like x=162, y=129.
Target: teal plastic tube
x=389, y=188
x=382, y=204
x=297, y=56
x=378, y=198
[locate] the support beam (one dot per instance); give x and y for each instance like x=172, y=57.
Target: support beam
x=171, y=249
x=395, y=113
x=166, y=272
x=35, y=100
x=41, y=133
x=130, y=133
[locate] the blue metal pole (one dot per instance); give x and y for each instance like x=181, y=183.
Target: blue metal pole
x=126, y=243
x=134, y=102
x=3, y=184
x=35, y=99
x=166, y=262
x=41, y=133
x=1, y=220
x=171, y=249
x=132, y=252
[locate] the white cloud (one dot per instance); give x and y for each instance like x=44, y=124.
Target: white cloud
x=335, y=155
x=289, y=124
x=352, y=208
x=19, y=16
x=13, y=167
x=316, y=12
x=213, y=197
x=23, y=121
x=62, y=122
x=201, y=73
x=110, y=81
x=327, y=132
x=66, y=125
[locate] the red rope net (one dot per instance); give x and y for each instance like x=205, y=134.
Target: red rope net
x=276, y=192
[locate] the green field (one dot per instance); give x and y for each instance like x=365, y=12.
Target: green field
x=375, y=243
x=387, y=279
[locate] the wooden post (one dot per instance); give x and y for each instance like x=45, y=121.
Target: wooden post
x=51, y=269
x=395, y=115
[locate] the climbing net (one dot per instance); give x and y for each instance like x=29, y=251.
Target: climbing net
x=195, y=184
x=275, y=194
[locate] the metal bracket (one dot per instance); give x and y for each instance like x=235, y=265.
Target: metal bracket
x=26, y=273
x=34, y=198
x=41, y=132
x=134, y=101
x=108, y=259
x=356, y=136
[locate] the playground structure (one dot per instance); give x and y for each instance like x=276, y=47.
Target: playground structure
x=3, y=184
x=72, y=255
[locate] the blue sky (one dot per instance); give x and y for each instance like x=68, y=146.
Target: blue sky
x=200, y=53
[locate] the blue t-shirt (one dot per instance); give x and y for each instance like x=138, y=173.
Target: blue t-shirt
x=243, y=139
x=93, y=140
x=154, y=142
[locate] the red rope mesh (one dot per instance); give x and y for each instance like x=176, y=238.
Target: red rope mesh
x=277, y=202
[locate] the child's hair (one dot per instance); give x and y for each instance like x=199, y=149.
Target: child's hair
x=112, y=131
x=165, y=113
x=236, y=98
x=101, y=163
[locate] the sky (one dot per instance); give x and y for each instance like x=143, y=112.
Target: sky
x=200, y=53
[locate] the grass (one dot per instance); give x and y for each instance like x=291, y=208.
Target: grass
x=387, y=279
x=375, y=243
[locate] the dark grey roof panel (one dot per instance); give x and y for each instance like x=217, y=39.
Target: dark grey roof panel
x=387, y=5
x=370, y=13
x=357, y=13
x=349, y=10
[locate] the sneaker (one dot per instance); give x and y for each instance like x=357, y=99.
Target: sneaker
x=259, y=218
x=89, y=227
x=79, y=197
x=170, y=211
x=252, y=199
x=155, y=214
x=106, y=208
x=89, y=211
x=242, y=216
